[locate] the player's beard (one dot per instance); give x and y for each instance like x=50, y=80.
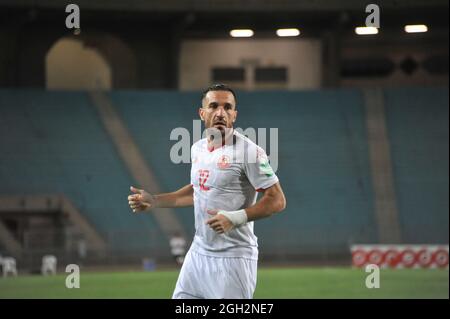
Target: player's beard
x=219, y=136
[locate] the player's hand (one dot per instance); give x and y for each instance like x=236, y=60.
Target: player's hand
x=141, y=200
x=219, y=223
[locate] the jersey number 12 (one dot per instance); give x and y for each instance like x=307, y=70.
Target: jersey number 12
x=203, y=175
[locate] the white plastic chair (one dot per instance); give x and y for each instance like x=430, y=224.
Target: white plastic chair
x=9, y=266
x=49, y=265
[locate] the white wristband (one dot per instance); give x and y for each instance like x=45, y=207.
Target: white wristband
x=237, y=217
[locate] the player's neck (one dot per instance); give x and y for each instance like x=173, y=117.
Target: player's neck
x=226, y=139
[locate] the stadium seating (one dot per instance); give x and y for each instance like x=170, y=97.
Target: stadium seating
x=417, y=121
x=54, y=142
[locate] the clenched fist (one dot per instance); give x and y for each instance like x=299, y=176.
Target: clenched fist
x=141, y=200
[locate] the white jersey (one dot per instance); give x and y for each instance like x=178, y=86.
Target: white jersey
x=227, y=178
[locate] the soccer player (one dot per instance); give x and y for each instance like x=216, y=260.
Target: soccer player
x=228, y=170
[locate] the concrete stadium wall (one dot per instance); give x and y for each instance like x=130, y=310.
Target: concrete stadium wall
x=301, y=58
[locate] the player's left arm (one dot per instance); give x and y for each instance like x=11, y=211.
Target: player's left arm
x=273, y=201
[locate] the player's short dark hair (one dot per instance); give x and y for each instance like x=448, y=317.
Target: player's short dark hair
x=218, y=87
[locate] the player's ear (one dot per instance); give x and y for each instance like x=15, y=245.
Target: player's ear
x=235, y=116
x=200, y=113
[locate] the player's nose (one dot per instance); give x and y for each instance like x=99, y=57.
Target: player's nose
x=221, y=112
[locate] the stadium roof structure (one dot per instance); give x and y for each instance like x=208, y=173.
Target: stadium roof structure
x=205, y=18
x=226, y=5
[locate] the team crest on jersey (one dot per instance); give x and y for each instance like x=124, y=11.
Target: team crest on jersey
x=224, y=162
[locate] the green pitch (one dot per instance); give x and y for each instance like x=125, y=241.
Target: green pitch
x=272, y=283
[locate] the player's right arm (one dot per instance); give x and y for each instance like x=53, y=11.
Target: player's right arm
x=141, y=200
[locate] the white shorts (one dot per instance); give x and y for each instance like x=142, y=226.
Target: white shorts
x=207, y=277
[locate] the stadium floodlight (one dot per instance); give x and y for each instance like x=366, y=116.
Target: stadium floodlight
x=291, y=32
x=241, y=33
x=366, y=30
x=416, y=28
